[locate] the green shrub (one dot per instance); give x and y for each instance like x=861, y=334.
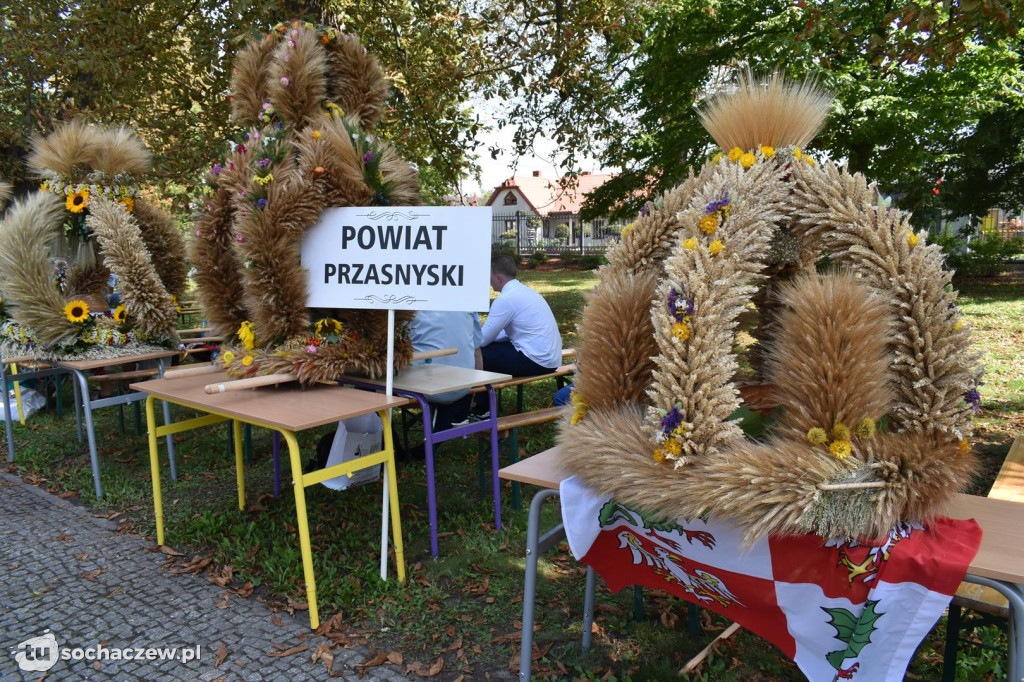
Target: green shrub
x=569, y=259
x=536, y=258
x=978, y=258
x=592, y=261
x=562, y=232
x=503, y=250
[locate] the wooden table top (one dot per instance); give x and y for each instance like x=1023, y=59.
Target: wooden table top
x=436, y=378
x=1000, y=557
x=285, y=406
x=83, y=365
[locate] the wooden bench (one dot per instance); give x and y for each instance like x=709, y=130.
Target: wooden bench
x=991, y=607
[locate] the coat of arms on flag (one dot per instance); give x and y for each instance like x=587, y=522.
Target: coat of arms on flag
x=841, y=610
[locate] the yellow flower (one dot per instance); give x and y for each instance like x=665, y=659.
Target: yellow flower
x=680, y=431
x=964, y=446
x=767, y=152
x=77, y=201
x=228, y=357
x=247, y=360
x=673, y=447
x=841, y=449
x=120, y=314
x=748, y=160
x=735, y=153
x=129, y=204
x=76, y=311
x=335, y=110
x=627, y=229
x=715, y=247
x=690, y=243
x=841, y=431
x=708, y=224
x=659, y=456
x=327, y=325
x=580, y=403
x=809, y=160
x=681, y=331
x=817, y=436
x=797, y=154
x=316, y=134
x=866, y=428
x=247, y=335
x=959, y=325
x=716, y=158
x=265, y=180
x=912, y=239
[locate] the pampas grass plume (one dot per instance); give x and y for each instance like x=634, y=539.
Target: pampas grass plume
x=116, y=150
x=63, y=151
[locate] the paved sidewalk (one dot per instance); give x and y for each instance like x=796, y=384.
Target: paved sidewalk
x=66, y=572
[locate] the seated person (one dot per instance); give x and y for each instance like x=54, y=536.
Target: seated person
x=520, y=336
x=434, y=330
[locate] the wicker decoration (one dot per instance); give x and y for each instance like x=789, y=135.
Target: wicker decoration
x=88, y=269
x=870, y=360
x=308, y=97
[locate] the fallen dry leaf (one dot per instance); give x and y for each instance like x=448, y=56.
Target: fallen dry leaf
x=81, y=556
x=222, y=654
x=68, y=494
x=395, y=658
x=277, y=621
x=380, y=659
x=288, y=652
x=170, y=552
x=92, y=575
x=245, y=590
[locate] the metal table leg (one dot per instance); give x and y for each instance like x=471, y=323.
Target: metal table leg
x=534, y=546
x=90, y=432
x=1015, y=635
x=8, y=422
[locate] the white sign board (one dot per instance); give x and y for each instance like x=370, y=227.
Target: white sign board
x=400, y=257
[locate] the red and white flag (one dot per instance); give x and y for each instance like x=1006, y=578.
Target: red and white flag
x=839, y=609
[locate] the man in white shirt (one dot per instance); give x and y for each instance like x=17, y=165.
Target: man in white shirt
x=520, y=336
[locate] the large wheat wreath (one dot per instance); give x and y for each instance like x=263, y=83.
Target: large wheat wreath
x=88, y=268
x=309, y=95
x=868, y=357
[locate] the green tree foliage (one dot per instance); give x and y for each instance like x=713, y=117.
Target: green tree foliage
x=156, y=66
x=920, y=87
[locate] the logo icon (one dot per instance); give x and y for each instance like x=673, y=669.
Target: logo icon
x=38, y=654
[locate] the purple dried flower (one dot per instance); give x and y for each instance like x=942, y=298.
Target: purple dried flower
x=679, y=306
x=240, y=239
x=672, y=419
x=973, y=398
x=285, y=81
x=263, y=163
x=217, y=168
x=261, y=203
x=367, y=157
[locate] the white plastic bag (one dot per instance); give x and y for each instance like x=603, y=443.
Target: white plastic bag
x=355, y=437
x=31, y=402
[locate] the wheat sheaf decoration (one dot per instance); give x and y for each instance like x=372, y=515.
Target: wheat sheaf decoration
x=88, y=268
x=309, y=97
x=868, y=359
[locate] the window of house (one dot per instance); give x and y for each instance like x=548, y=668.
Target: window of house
x=510, y=199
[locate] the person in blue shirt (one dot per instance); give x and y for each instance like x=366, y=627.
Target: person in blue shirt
x=434, y=330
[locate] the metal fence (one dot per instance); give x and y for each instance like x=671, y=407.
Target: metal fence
x=528, y=233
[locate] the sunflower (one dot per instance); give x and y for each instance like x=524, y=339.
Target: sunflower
x=129, y=204
x=120, y=314
x=76, y=311
x=77, y=201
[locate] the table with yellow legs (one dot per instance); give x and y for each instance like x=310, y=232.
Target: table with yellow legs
x=286, y=409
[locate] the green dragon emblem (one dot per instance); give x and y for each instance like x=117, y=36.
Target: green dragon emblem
x=854, y=632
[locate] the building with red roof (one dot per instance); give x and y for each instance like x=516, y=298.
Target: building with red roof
x=534, y=206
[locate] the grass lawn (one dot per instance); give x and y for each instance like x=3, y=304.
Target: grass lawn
x=465, y=606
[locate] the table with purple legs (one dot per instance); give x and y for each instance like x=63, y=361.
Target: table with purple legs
x=420, y=382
